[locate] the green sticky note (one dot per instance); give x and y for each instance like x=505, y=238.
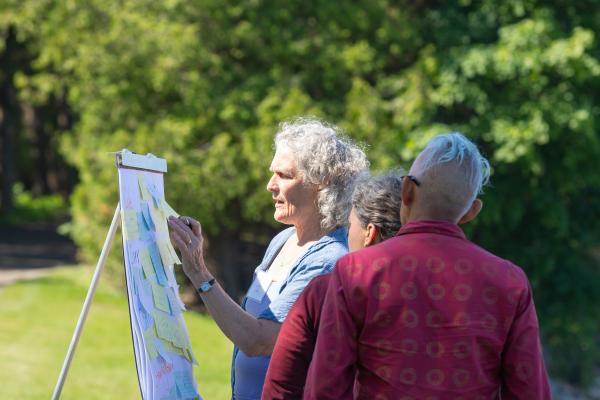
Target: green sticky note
x=143, y=187
x=168, y=210
x=160, y=298
x=147, y=265
x=149, y=337
x=164, y=326
x=130, y=225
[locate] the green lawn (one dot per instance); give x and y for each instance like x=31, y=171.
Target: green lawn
x=37, y=319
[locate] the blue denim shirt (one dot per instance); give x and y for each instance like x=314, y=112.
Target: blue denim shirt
x=248, y=373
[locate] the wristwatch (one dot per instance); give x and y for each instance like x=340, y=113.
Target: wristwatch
x=206, y=286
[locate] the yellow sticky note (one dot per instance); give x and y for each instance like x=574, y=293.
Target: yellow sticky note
x=165, y=254
x=176, y=259
x=160, y=298
x=164, y=326
x=131, y=230
x=149, y=342
x=147, y=265
x=143, y=187
x=168, y=210
x=160, y=221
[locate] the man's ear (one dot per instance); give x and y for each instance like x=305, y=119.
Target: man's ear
x=407, y=194
x=472, y=212
x=371, y=235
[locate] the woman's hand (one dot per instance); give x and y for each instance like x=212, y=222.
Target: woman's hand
x=186, y=235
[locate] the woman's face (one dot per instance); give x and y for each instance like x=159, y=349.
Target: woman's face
x=295, y=201
x=356, y=233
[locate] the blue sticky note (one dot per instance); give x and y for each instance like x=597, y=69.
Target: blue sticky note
x=185, y=385
x=144, y=316
x=147, y=217
x=145, y=233
x=161, y=278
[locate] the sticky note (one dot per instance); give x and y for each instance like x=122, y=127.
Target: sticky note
x=173, y=303
x=164, y=326
x=143, y=187
x=133, y=254
x=146, y=262
x=161, y=278
x=160, y=221
x=145, y=234
x=160, y=298
x=130, y=225
x=147, y=217
x=144, y=317
x=174, y=256
x=149, y=337
x=168, y=210
x=185, y=385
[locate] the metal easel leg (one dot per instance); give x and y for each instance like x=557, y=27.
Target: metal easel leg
x=88, y=300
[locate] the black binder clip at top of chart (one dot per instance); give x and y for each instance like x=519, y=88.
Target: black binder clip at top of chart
x=150, y=162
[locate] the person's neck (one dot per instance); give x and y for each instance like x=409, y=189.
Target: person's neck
x=309, y=231
x=425, y=215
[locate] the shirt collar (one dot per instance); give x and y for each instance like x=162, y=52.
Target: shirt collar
x=431, y=226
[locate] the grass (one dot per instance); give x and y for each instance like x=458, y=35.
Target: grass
x=37, y=319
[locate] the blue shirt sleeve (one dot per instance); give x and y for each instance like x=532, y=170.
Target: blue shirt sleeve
x=279, y=308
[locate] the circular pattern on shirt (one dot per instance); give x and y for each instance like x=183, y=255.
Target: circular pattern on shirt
x=434, y=349
x=462, y=292
x=382, y=291
x=382, y=318
x=490, y=295
x=409, y=347
x=384, y=347
x=461, y=349
x=463, y=266
x=408, y=376
x=384, y=373
x=355, y=269
x=435, y=264
x=408, y=291
x=380, y=263
x=409, y=318
x=435, y=377
x=489, y=322
x=461, y=320
x=434, y=319
x=436, y=291
x=408, y=263
x=460, y=377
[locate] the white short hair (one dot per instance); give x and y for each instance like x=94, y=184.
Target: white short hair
x=327, y=158
x=455, y=147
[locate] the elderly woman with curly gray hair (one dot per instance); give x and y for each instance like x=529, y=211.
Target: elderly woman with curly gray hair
x=311, y=169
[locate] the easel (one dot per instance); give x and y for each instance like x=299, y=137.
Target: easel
x=124, y=158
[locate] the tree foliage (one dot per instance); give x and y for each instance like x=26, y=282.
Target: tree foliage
x=205, y=83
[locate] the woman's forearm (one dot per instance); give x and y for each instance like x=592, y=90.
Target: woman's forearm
x=254, y=336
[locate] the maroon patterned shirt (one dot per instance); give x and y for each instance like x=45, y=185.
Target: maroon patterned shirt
x=295, y=344
x=427, y=315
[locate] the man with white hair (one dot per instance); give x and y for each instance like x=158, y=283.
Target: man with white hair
x=428, y=314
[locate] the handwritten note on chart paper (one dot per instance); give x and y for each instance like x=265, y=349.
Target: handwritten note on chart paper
x=163, y=352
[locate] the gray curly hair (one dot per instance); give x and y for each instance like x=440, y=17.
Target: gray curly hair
x=327, y=158
x=376, y=200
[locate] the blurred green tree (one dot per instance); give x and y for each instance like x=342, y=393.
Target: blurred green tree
x=205, y=83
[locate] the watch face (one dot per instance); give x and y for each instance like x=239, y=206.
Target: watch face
x=205, y=286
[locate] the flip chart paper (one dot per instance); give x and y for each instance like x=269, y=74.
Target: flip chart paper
x=163, y=351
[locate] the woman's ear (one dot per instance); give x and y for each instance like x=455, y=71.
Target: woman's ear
x=472, y=212
x=371, y=235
